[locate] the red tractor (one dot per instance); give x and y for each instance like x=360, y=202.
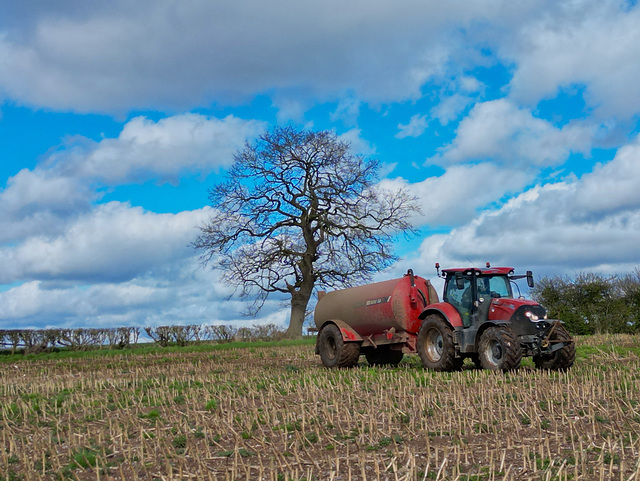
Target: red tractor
x=478, y=318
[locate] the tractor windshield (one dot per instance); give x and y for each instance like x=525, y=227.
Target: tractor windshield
x=494, y=286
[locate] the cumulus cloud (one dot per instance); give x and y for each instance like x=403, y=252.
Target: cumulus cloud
x=36, y=201
x=590, y=223
x=451, y=107
x=191, y=295
x=55, y=306
x=613, y=187
x=178, y=55
x=358, y=145
x=456, y=196
x=114, y=242
x=28, y=191
x=117, y=265
x=68, y=259
x=63, y=186
x=593, y=43
x=415, y=128
x=501, y=131
x=165, y=149
x=168, y=54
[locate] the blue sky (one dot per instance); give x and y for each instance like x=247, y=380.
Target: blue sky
x=514, y=123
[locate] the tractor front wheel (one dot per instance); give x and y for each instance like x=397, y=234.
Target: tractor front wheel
x=563, y=358
x=435, y=345
x=334, y=352
x=499, y=349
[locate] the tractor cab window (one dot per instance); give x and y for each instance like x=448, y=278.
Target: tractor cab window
x=461, y=299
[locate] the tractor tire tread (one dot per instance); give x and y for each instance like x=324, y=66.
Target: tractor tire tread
x=563, y=358
x=448, y=360
x=512, y=353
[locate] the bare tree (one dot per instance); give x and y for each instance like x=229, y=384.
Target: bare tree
x=299, y=209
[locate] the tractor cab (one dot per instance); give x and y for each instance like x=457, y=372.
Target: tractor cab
x=478, y=294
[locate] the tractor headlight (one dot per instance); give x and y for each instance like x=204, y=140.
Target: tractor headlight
x=531, y=316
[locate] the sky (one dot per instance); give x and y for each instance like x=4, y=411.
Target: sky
x=515, y=124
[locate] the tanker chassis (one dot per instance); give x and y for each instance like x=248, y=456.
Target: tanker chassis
x=478, y=318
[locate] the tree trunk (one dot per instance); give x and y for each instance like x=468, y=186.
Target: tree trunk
x=299, y=302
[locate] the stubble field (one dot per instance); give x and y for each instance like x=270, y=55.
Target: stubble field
x=274, y=413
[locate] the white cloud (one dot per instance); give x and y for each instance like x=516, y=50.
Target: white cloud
x=589, y=223
x=68, y=258
x=168, y=148
x=40, y=201
x=30, y=191
x=116, y=265
x=415, y=128
x=55, y=306
x=358, y=144
x=177, y=55
x=499, y=130
x=43, y=201
x=114, y=242
x=165, y=54
x=613, y=187
x=191, y=295
x=347, y=111
x=457, y=196
x=451, y=107
x=592, y=43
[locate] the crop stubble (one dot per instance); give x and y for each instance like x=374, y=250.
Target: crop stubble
x=276, y=414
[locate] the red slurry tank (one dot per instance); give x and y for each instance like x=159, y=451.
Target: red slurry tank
x=376, y=308
x=382, y=318
x=478, y=318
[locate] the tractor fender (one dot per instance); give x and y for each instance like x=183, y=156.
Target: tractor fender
x=445, y=310
x=348, y=333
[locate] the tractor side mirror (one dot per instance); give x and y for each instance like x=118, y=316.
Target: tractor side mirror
x=530, y=279
x=459, y=281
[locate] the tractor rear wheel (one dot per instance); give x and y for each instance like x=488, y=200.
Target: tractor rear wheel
x=563, y=358
x=435, y=345
x=334, y=352
x=499, y=349
x=383, y=356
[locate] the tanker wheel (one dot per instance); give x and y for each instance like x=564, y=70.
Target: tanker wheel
x=435, y=345
x=563, y=358
x=499, y=349
x=334, y=352
x=383, y=356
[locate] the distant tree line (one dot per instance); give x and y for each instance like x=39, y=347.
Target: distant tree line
x=182, y=335
x=39, y=340
x=592, y=303
x=33, y=341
